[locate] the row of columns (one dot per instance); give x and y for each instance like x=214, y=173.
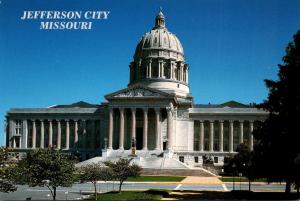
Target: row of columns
x=211, y=135
x=180, y=66
x=59, y=130
x=145, y=128
x=182, y=72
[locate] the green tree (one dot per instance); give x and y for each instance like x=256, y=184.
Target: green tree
x=278, y=137
x=93, y=173
x=241, y=163
x=47, y=167
x=122, y=169
x=6, y=172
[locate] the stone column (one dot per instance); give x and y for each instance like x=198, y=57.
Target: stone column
x=181, y=72
x=172, y=70
x=147, y=70
x=221, y=136
x=150, y=68
x=58, y=135
x=121, y=131
x=241, y=137
x=187, y=75
x=211, y=136
x=170, y=128
x=145, y=129
x=231, y=136
x=24, y=134
x=11, y=128
x=201, y=136
x=33, y=134
x=76, y=133
x=42, y=134
x=110, y=128
x=67, y=134
x=133, y=124
x=157, y=127
x=50, y=134
x=162, y=69
x=159, y=69
x=251, y=136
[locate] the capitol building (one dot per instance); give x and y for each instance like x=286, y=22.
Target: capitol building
x=153, y=117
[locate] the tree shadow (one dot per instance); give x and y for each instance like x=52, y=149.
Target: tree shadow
x=230, y=195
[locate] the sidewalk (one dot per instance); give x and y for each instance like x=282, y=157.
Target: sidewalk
x=201, y=180
x=187, y=180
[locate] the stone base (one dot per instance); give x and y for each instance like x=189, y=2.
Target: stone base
x=106, y=152
x=168, y=154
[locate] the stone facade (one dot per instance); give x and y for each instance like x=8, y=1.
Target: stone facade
x=154, y=115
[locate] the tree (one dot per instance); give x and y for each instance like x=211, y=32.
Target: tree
x=278, y=137
x=240, y=163
x=93, y=173
x=6, y=172
x=47, y=167
x=122, y=169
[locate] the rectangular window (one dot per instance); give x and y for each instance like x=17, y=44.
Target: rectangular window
x=196, y=159
x=18, y=127
x=181, y=159
x=216, y=159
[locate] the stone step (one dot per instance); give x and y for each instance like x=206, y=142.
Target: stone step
x=176, y=172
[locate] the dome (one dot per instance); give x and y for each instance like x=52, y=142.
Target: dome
x=158, y=61
x=159, y=39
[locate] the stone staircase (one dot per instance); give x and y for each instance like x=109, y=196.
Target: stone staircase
x=177, y=172
x=152, y=163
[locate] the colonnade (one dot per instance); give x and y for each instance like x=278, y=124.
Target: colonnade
x=145, y=127
x=50, y=133
x=177, y=70
x=221, y=135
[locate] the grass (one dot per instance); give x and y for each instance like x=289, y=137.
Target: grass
x=132, y=195
x=155, y=178
x=243, y=179
x=194, y=195
x=231, y=195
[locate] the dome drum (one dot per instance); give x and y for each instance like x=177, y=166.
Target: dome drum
x=159, y=69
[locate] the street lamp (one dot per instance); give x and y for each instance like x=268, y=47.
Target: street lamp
x=240, y=175
x=66, y=193
x=233, y=168
x=249, y=173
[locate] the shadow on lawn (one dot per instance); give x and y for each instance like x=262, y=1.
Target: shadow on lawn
x=236, y=195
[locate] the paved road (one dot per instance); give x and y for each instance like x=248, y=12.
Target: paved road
x=78, y=190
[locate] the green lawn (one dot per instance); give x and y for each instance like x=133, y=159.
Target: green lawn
x=132, y=195
x=243, y=179
x=155, y=178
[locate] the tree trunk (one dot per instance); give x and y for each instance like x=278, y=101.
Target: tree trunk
x=120, y=186
x=95, y=187
x=288, y=186
x=249, y=185
x=54, y=193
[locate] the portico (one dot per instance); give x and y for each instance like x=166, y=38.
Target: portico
x=144, y=110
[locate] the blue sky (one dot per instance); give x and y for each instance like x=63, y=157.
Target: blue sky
x=231, y=47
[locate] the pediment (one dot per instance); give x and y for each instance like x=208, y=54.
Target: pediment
x=138, y=92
